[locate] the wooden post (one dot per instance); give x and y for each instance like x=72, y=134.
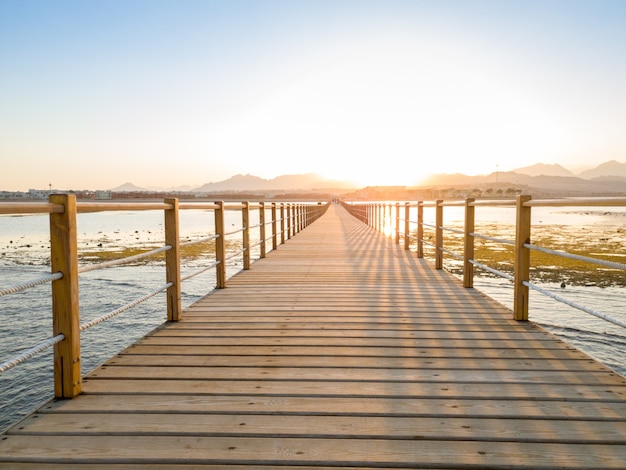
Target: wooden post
x=420, y=229
x=384, y=218
x=220, y=247
x=407, y=227
x=522, y=259
x=375, y=215
x=245, y=234
x=172, y=260
x=397, y=223
x=274, y=227
x=262, y=227
x=289, y=221
x=468, y=243
x=298, y=210
x=282, y=223
x=439, y=234
x=65, y=298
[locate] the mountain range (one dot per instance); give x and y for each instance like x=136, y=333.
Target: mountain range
x=609, y=176
x=306, y=182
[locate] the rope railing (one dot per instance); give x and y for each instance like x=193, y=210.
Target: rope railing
x=126, y=260
x=30, y=353
x=200, y=240
x=32, y=283
x=452, y=253
x=493, y=239
x=200, y=271
x=484, y=267
x=122, y=309
x=586, y=259
x=63, y=210
x=575, y=305
x=376, y=215
x=450, y=229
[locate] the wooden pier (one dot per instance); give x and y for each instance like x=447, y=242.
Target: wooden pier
x=338, y=350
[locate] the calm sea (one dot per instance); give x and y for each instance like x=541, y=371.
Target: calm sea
x=26, y=318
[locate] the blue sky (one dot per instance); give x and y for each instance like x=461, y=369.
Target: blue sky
x=166, y=93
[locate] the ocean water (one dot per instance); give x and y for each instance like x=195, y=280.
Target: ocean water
x=26, y=318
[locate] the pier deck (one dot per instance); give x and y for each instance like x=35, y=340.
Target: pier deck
x=340, y=349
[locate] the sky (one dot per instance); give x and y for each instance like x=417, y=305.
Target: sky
x=94, y=94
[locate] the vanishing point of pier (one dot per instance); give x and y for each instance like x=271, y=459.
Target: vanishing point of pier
x=338, y=350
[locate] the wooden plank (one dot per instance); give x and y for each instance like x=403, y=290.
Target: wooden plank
x=307, y=451
x=321, y=359
x=324, y=426
x=334, y=338
x=342, y=374
x=347, y=350
x=366, y=388
x=338, y=405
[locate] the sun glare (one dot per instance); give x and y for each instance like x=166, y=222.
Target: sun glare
x=390, y=116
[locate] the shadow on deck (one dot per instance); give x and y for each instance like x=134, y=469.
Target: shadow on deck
x=340, y=349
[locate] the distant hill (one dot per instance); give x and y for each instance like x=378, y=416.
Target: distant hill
x=607, y=179
x=542, y=169
x=611, y=168
x=238, y=183
x=306, y=181
x=128, y=188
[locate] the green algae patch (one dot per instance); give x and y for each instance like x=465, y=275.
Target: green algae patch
x=196, y=252
x=602, y=242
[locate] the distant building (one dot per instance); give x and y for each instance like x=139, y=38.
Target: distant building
x=38, y=194
x=104, y=195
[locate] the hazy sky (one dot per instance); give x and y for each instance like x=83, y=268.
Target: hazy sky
x=164, y=93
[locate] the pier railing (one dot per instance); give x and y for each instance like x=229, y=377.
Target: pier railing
x=286, y=220
x=394, y=219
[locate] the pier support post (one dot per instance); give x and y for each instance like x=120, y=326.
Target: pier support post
x=282, y=223
x=172, y=260
x=289, y=221
x=262, y=228
x=420, y=229
x=439, y=234
x=220, y=247
x=397, y=207
x=65, y=298
x=522, y=259
x=274, y=227
x=245, y=234
x=468, y=242
x=407, y=227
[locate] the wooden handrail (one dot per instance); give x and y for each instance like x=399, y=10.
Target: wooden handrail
x=374, y=215
x=63, y=210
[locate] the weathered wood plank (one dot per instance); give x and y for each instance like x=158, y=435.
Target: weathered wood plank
x=325, y=426
x=337, y=405
x=364, y=388
x=347, y=350
x=343, y=374
x=307, y=451
x=322, y=359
